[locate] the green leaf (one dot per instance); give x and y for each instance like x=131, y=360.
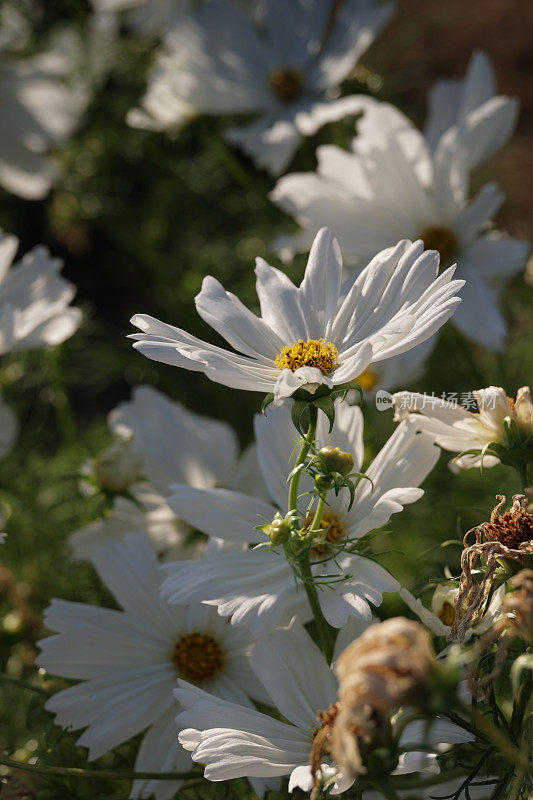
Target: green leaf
x=327, y=405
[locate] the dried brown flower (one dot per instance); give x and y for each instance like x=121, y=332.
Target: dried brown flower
x=508, y=536
x=378, y=672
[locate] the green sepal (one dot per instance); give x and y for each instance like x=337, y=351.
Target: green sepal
x=327, y=405
x=267, y=401
x=298, y=411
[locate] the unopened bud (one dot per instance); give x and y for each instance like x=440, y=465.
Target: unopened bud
x=118, y=467
x=336, y=460
x=278, y=531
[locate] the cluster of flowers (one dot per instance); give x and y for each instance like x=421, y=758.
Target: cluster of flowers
x=247, y=582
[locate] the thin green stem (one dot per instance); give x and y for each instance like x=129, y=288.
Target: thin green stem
x=76, y=772
x=521, y=469
x=307, y=441
x=23, y=685
x=500, y=741
x=325, y=631
x=318, y=515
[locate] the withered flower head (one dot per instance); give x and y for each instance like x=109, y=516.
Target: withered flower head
x=506, y=536
x=379, y=671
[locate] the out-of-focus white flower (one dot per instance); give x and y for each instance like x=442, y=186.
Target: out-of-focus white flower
x=150, y=17
x=34, y=300
x=8, y=428
x=442, y=614
x=256, y=587
x=129, y=661
x=454, y=427
x=313, y=334
x=41, y=100
x=285, y=65
x=469, y=110
x=117, y=467
x=233, y=741
x=168, y=443
x=390, y=186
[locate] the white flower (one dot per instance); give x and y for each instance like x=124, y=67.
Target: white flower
x=129, y=661
x=440, y=618
x=390, y=186
x=454, y=427
x=150, y=17
x=8, y=428
x=256, y=587
x=312, y=334
x=34, y=300
x=172, y=444
x=233, y=741
x=286, y=69
x=39, y=110
x=470, y=110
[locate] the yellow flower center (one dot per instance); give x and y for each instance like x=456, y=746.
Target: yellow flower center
x=197, y=657
x=286, y=83
x=334, y=527
x=447, y=613
x=437, y=237
x=312, y=353
x=367, y=379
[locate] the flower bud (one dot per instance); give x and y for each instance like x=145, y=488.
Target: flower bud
x=118, y=466
x=336, y=460
x=278, y=531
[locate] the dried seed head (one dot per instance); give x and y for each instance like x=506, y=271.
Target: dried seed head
x=514, y=527
x=379, y=671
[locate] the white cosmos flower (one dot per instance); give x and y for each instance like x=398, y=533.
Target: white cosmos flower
x=389, y=186
x=456, y=428
x=173, y=444
x=470, y=109
x=34, y=300
x=440, y=618
x=129, y=660
x=39, y=109
x=233, y=741
x=256, y=587
x=284, y=67
x=313, y=334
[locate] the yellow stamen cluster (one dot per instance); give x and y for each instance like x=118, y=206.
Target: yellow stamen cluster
x=447, y=613
x=312, y=353
x=437, y=237
x=334, y=527
x=367, y=379
x=287, y=83
x=197, y=657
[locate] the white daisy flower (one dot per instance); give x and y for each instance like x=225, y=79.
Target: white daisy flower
x=257, y=587
x=34, y=300
x=285, y=67
x=456, y=428
x=390, y=186
x=129, y=661
x=172, y=444
x=470, y=109
x=313, y=334
x=8, y=428
x=233, y=741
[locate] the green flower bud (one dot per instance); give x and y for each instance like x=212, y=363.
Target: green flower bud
x=278, y=531
x=336, y=460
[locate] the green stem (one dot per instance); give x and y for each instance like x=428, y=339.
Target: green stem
x=24, y=685
x=386, y=789
x=76, y=772
x=521, y=468
x=307, y=441
x=501, y=742
x=326, y=633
